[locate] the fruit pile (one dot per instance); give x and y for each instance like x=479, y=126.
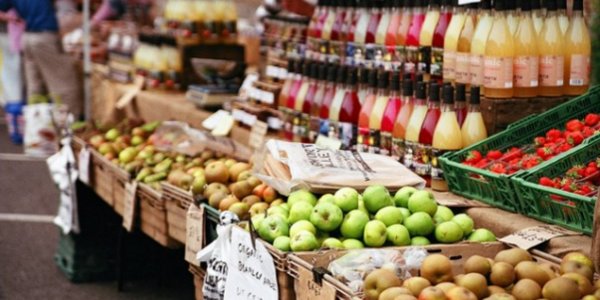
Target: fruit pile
x=512, y=274
x=349, y=220
x=580, y=179
x=543, y=148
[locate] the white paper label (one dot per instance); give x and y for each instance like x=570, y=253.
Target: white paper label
x=129, y=204
x=257, y=135
x=533, y=236
x=251, y=270
x=194, y=240
x=83, y=165
x=328, y=142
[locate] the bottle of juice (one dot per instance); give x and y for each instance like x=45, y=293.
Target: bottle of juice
x=307, y=81
x=315, y=107
x=422, y=159
x=473, y=130
x=377, y=111
x=390, y=114
x=287, y=84
x=412, y=37
x=315, y=19
x=451, y=43
x=414, y=126
x=460, y=105
x=338, y=23
x=336, y=104
x=360, y=30
x=446, y=137
x=437, y=45
x=291, y=100
x=363, y=138
x=401, y=123
x=512, y=18
x=526, y=62
x=329, y=94
x=375, y=17
x=463, y=48
x=499, y=56
x=309, y=102
x=426, y=37
x=552, y=54
x=329, y=20
x=563, y=19
x=391, y=35
x=349, y=111
x=405, y=23
x=351, y=18
x=384, y=22
x=478, y=43
x=578, y=50
x=538, y=14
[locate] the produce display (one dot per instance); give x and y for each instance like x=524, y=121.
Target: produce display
x=581, y=179
x=375, y=218
x=511, y=274
x=541, y=149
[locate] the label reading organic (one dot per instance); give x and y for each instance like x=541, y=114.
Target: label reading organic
x=476, y=69
x=437, y=62
x=579, y=74
x=461, y=68
x=526, y=70
x=551, y=70
x=498, y=72
x=398, y=149
x=449, y=66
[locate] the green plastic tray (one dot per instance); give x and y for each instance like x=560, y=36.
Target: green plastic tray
x=497, y=189
x=536, y=201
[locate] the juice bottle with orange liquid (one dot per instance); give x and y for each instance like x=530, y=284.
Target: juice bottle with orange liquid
x=499, y=56
x=460, y=105
x=578, y=50
x=390, y=114
x=378, y=110
x=384, y=22
x=451, y=43
x=512, y=16
x=402, y=120
x=478, y=43
x=473, y=130
x=526, y=62
x=437, y=45
x=391, y=35
x=463, y=47
x=415, y=123
x=365, y=113
x=412, y=37
x=446, y=137
x=422, y=159
x=432, y=16
x=552, y=54
x=405, y=22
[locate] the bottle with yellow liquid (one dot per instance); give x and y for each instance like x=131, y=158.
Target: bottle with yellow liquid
x=446, y=137
x=432, y=17
x=563, y=19
x=378, y=110
x=413, y=129
x=578, y=50
x=526, y=62
x=499, y=55
x=480, y=37
x=463, y=47
x=538, y=15
x=512, y=16
x=473, y=129
x=451, y=42
x=552, y=54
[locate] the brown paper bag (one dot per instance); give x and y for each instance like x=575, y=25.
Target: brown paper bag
x=596, y=234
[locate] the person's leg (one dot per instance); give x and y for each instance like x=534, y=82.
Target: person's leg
x=33, y=76
x=12, y=81
x=58, y=71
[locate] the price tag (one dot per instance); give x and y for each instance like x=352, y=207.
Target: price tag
x=129, y=206
x=533, y=236
x=194, y=240
x=83, y=165
x=257, y=134
x=308, y=289
x=272, y=71
x=329, y=143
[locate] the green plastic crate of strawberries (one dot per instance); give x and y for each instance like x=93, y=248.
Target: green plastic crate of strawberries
x=581, y=179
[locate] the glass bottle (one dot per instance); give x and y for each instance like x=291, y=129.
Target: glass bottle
x=499, y=55
x=473, y=130
x=403, y=118
x=463, y=47
x=437, y=44
x=526, y=62
x=578, y=51
x=552, y=54
x=478, y=43
x=390, y=114
x=446, y=137
x=460, y=105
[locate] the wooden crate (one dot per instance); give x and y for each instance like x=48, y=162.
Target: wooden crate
x=153, y=216
x=177, y=202
x=102, y=177
x=199, y=274
x=120, y=178
x=285, y=282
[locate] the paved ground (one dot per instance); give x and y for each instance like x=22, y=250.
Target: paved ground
x=27, y=268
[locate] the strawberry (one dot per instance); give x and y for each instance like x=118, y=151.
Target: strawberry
x=544, y=152
x=590, y=170
x=588, y=131
x=545, y=181
x=531, y=161
x=593, y=164
x=592, y=119
x=553, y=134
x=574, y=125
x=494, y=155
x=482, y=163
x=564, y=148
x=586, y=189
x=539, y=141
x=512, y=153
x=473, y=157
x=498, y=168
x=575, y=138
x=576, y=172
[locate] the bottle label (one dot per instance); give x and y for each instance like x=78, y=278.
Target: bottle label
x=345, y=132
x=552, y=70
x=374, y=140
x=498, y=72
x=461, y=68
x=476, y=69
x=449, y=65
x=437, y=62
x=324, y=127
x=398, y=149
x=350, y=52
x=315, y=124
x=579, y=75
x=436, y=169
x=385, y=143
x=399, y=57
x=362, y=139
x=412, y=57
x=408, y=158
x=526, y=71
x=424, y=65
x=337, y=51
x=421, y=159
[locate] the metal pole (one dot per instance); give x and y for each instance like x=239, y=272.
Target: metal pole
x=87, y=64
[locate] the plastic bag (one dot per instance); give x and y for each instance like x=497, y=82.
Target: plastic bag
x=42, y=128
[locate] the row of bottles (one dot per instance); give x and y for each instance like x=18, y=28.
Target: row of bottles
x=159, y=61
x=516, y=49
x=377, y=111
x=205, y=19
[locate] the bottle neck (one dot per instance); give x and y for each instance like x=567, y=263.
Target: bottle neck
x=382, y=92
x=407, y=99
x=551, y=14
x=447, y=107
x=577, y=14
x=460, y=104
x=474, y=108
x=433, y=105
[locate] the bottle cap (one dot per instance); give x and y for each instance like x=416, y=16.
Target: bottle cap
x=550, y=5
x=352, y=76
x=535, y=4
x=373, y=78
x=561, y=4
x=434, y=2
x=395, y=81
x=475, y=95
x=448, y=94
x=306, y=68
x=501, y=5
x=485, y=4
x=434, y=92
x=383, y=79
x=461, y=94
x=578, y=5
x=332, y=73
x=363, y=75
x=291, y=65
x=525, y=5
x=299, y=66
x=407, y=86
x=323, y=72
x=421, y=90
x=341, y=74
x=314, y=70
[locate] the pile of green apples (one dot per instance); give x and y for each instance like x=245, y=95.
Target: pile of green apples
x=375, y=218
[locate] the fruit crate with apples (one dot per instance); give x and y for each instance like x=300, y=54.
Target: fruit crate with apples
x=177, y=202
x=153, y=216
x=199, y=273
x=120, y=178
x=497, y=189
x=102, y=177
x=556, y=206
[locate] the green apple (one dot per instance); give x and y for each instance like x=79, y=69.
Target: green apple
x=302, y=225
x=300, y=211
x=273, y=227
x=354, y=224
x=443, y=214
x=347, y=199
x=321, y=236
x=327, y=217
x=352, y=244
x=390, y=215
x=137, y=140
x=304, y=241
x=332, y=243
x=361, y=204
x=282, y=243
x=465, y=222
x=482, y=235
x=285, y=206
x=301, y=196
x=402, y=195
x=419, y=223
x=419, y=241
x=377, y=197
x=278, y=210
x=398, y=235
x=422, y=201
x=448, y=232
x=405, y=213
x=375, y=233
x=112, y=134
x=257, y=220
x=327, y=198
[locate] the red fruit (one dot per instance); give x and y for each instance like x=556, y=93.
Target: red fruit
x=473, y=157
x=564, y=148
x=532, y=161
x=586, y=189
x=589, y=171
x=545, y=181
x=574, y=125
x=498, y=168
x=553, y=134
x=539, y=141
x=575, y=138
x=576, y=172
x=544, y=152
x=593, y=164
x=494, y=155
x=588, y=131
x=482, y=163
x=592, y=119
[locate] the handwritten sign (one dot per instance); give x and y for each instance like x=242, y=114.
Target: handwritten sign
x=257, y=134
x=329, y=143
x=194, y=240
x=308, y=289
x=533, y=236
x=129, y=206
x=83, y=165
x=251, y=270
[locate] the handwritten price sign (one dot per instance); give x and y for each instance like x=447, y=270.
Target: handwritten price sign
x=533, y=236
